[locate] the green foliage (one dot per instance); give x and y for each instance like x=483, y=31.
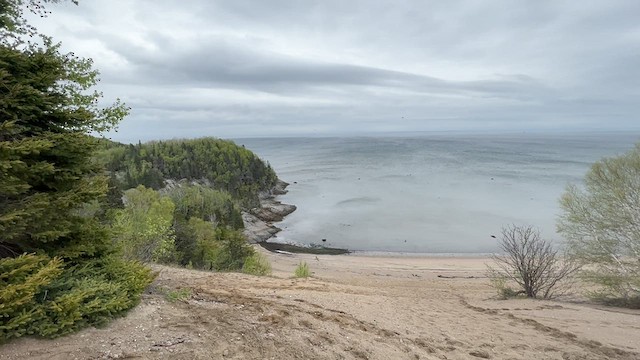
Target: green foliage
x=500, y=283
x=45, y=152
x=43, y=296
x=206, y=245
x=151, y=228
x=142, y=228
x=222, y=163
x=199, y=210
x=602, y=225
x=207, y=204
x=51, y=189
x=22, y=279
x=213, y=248
x=302, y=270
x=234, y=250
x=178, y=295
x=14, y=27
x=257, y=264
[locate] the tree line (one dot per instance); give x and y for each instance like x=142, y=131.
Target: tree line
x=221, y=164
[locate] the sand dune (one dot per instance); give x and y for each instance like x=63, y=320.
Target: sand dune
x=354, y=307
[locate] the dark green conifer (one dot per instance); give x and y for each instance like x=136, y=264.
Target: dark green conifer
x=70, y=277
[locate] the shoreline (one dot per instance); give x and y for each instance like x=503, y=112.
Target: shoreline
x=260, y=228
x=259, y=225
x=418, y=255
x=259, y=222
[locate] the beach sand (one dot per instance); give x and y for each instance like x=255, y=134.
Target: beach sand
x=353, y=307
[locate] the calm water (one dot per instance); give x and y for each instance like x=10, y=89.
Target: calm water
x=428, y=194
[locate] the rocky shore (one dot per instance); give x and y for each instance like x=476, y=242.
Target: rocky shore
x=258, y=222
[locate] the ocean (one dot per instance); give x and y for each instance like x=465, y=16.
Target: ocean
x=428, y=193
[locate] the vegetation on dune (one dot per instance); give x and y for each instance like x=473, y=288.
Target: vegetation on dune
x=257, y=264
x=601, y=222
x=531, y=263
x=302, y=270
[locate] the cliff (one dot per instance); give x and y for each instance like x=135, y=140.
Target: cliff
x=258, y=222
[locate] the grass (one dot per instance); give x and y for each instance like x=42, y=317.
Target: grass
x=499, y=283
x=302, y=271
x=257, y=264
x=178, y=295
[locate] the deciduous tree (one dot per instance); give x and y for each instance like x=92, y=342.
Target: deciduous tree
x=601, y=222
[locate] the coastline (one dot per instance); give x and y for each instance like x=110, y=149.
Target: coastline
x=259, y=222
x=259, y=229
x=259, y=225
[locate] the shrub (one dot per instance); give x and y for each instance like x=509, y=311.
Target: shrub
x=206, y=245
x=302, y=271
x=531, y=263
x=257, y=264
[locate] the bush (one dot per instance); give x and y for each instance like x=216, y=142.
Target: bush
x=206, y=245
x=257, y=264
x=302, y=271
x=531, y=263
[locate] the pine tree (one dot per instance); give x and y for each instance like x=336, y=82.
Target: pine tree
x=47, y=111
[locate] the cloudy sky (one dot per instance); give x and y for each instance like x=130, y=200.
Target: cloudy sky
x=240, y=68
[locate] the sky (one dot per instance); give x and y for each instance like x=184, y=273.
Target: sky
x=240, y=68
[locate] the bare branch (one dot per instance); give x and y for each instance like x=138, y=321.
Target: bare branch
x=532, y=263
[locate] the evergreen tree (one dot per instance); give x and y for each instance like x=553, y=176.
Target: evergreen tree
x=47, y=111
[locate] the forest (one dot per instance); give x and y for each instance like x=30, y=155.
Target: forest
x=220, y=164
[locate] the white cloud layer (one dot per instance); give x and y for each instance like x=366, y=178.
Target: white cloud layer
x=269, y=68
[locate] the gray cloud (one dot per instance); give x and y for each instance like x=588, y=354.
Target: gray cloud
x=251, y=68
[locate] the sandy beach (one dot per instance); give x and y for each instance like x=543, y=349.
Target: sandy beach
x=353, y=307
